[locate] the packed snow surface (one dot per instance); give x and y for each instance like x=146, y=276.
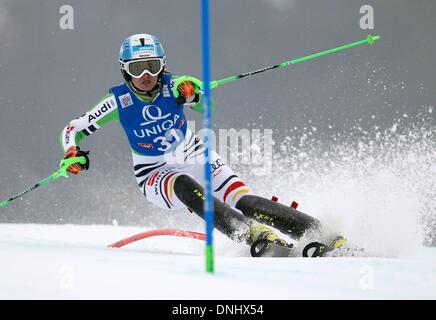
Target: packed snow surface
x=74, y=262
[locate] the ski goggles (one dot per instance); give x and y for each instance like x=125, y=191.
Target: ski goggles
x=137, y=68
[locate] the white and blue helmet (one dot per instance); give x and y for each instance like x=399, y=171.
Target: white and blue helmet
x=140, y=47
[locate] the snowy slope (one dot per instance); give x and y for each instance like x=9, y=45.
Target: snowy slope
x=74, y=262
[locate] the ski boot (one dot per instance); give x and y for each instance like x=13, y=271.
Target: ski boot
x=264, y=242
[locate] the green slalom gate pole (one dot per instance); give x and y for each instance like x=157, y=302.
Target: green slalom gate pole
x=368, y=40
x=62, y=172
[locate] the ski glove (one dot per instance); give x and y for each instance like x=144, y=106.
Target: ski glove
x=73, y=152
x=187, y=93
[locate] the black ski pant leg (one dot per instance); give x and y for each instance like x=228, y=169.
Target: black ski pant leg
x=227, y=220
x=286, y=219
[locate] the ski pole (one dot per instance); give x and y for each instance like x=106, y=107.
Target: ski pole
x=370, y=40
x=216, y=83
x=62, y=172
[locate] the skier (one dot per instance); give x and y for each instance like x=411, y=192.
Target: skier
x=156, y=127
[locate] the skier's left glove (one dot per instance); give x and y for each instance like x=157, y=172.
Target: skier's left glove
x=187, y=93
x=74, y=152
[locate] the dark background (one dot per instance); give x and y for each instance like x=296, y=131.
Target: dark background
x=49, y=76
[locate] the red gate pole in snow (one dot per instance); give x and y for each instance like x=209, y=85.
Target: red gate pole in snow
x=160, y=232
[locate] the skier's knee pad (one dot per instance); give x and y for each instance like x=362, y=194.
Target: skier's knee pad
x=189, y=191
x=286, y=219
x=228, y=220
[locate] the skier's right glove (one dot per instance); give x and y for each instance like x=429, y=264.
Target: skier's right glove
x=74, y=152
